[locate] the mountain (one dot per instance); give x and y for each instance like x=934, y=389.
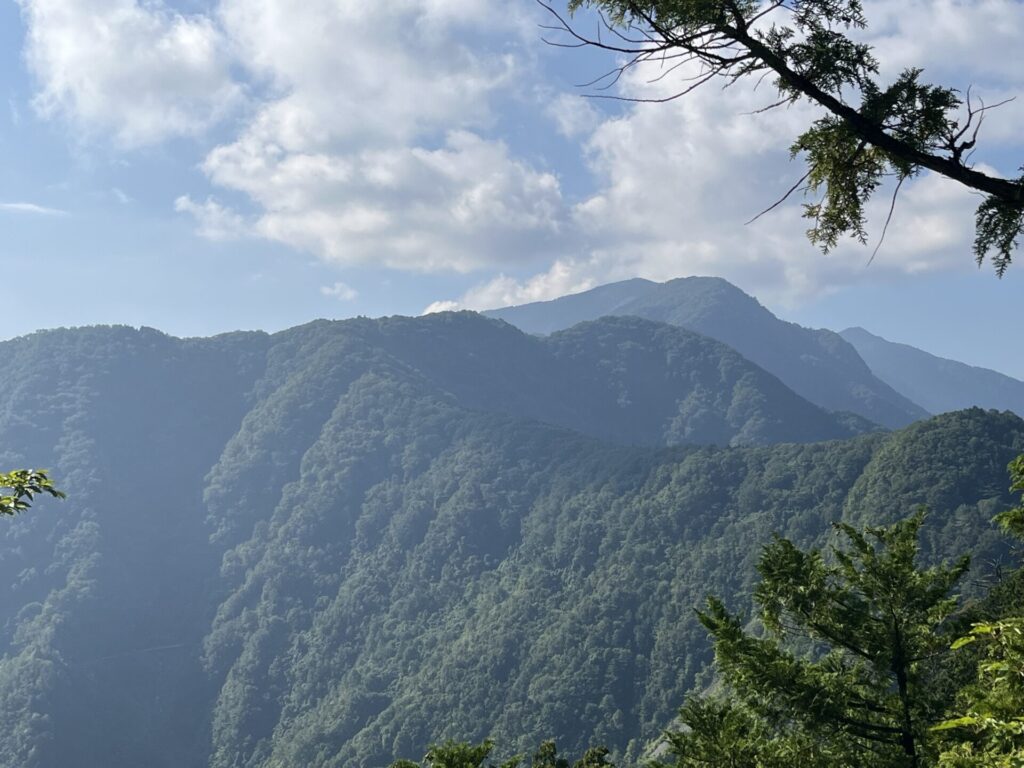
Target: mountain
x=328, y=546
x=627, y=380
x=816, y=364
x=938, y=384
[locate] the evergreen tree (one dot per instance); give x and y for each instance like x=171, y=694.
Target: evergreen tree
x=989, y=727
x=840, y=673
x=454, y=754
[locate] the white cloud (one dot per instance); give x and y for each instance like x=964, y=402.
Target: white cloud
x=340, y=291
x=369, y=135
x=138, y=72
x=955, y=41
x=461, y=206
x=442, y=306
x=962, y=45
x=32, y=208
x=677, y=181
x=563, y=277
x=573, y=115
x=364, y=139
x=368, y=72
x=368, y=146
x=213, y=220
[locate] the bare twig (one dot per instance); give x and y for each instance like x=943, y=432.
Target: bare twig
x=781, y=200
x=888, y=218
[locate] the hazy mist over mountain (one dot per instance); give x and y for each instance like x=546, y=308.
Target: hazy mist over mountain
x=937, y=384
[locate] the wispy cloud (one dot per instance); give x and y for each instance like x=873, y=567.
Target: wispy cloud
x=32, y=208
x=340, y=291
x=215, y=222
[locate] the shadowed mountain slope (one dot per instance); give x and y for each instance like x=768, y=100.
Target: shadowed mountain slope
x=623, y=379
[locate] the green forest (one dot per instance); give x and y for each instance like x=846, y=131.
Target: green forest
x=340, y=544
x=594, y=524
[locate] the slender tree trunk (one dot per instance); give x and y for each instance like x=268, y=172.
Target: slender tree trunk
x=899, y=668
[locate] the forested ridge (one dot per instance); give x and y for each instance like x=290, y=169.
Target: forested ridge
x=334, y=545
x=818, y=364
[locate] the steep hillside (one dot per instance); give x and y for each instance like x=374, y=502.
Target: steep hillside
x=816, y=364
x=936, y=383
x=328, y=546
x=623, y=379
x=109, y=595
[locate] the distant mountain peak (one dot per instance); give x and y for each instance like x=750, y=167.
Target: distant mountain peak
x=937, y=383
x=817, y=364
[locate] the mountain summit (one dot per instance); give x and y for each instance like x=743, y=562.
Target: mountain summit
x=819, y=365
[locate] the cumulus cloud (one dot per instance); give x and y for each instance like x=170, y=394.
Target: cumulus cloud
x=372, y=73
x=368, y=144
x=138, y=72
x=442, y=306
x=563, y=277
x=466, y=204
x=952, y=40
x=964, y=45
x=696, y=226
x=677, y=182
x=573, y=115
x=364, y=134
x=369, y=133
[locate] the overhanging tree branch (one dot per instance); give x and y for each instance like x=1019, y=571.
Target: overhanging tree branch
x=906, y=126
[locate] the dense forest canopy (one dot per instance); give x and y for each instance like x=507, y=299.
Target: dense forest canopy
x=334, y=545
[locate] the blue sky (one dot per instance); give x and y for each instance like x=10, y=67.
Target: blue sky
x=206, y=166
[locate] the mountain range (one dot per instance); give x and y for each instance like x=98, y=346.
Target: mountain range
x=332, y=545
x=889, y=384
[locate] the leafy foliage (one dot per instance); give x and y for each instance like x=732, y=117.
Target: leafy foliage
x=453, y=754
x=991, y=708
x=721, y=731
x=1012, y=520
x=871, y=131
x=24, y=485
x=993, y=714
x=999, y=225
x=850, y=650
